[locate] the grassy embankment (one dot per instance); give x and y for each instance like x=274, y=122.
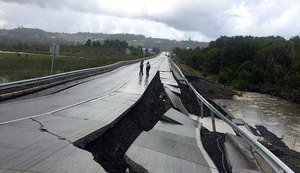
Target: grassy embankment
x=14, y=67
x=207, y=84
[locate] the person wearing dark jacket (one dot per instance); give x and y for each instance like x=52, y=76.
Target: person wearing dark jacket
x=141, y=68
x=148, y=68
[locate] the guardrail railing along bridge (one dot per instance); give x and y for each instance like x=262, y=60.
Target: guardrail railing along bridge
x=57, y=79
x=276, y=164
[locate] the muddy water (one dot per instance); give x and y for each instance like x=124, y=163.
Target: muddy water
x=277, y=115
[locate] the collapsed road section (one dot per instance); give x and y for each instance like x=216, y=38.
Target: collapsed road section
x=151, y=127
x=144, y=125
x=39, y=134
x=178, y=142
x=109, y=148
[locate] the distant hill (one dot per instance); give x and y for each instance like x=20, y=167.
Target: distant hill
x=38, y=36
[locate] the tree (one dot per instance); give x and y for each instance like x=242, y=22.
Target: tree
x=212, y=61
x=89, y=43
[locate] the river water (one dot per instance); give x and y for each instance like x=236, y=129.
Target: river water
x=278, y=116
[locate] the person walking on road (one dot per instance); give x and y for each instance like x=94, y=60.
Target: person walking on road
x=148, y=68
x=141, y=68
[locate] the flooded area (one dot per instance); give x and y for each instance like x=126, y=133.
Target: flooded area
x=278, y=116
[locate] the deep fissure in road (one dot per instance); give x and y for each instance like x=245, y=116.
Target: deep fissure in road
x=213, y=142
x=109, y=149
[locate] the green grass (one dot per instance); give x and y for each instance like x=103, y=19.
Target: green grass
x=197, y=73
x=14, y=67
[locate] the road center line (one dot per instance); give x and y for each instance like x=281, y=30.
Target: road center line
x=66, y=107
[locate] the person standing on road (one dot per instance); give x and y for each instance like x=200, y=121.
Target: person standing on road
x=141, y=68
x=148, y=68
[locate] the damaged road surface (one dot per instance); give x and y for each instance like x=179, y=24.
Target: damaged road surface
x=109, y=148
x=120, y=121
x=41, y=134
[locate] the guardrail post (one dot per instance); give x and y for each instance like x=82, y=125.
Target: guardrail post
x=201, y=108
x=213, y=121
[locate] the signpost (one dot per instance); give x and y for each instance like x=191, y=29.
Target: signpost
x=127, y=52
x=54, y=50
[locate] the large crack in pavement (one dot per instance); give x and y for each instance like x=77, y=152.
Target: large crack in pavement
x=109, y=149
x=43, y=129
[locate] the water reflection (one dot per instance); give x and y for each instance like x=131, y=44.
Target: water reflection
x=279, y=116
x=146, y=81
x=140, y=79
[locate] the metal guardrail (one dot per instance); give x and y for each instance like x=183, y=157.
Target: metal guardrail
x=270, y=158
x=61, y=76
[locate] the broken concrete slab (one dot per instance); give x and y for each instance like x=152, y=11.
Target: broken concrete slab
x=238, y=121
x=45, y=143
x=221, y=126
x=169, y=82
x=176, y=101
x=26, y=146
x=76, y=130
x=175, y=130
x=246, y=129
x=167, y=78
x=180, y=118
x=173, y=89
x=177, y=75
x=168, y=148
x=239, y=156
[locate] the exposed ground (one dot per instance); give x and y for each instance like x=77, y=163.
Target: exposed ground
x=214, y=145
x=109, y=149
x=213, y=91
x=209, y=89
x=277, y=147
x=212, y=142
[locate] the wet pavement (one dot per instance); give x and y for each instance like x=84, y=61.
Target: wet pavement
x=37, y=134
x=172, y=146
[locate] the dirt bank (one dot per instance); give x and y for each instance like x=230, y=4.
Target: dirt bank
x=286, y=94
x=277, y=147
x=209, y=89
x=213, y=143
x=109, y=149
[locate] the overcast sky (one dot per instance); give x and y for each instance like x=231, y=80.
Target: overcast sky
x=201, y=20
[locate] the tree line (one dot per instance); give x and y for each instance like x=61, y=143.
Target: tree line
x=263, y=64
x=91, y=49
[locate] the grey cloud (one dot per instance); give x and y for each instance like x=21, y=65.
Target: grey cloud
x=210, y=18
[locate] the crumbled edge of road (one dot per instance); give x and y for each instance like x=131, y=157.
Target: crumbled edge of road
x=278, y=147
x=109, y=149
x=272, y=142
x=212, y=142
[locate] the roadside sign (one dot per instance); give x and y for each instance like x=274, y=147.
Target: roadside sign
x=127, y=51
x=54, y=49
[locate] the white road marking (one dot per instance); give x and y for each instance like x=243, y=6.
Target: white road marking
x=66, y=107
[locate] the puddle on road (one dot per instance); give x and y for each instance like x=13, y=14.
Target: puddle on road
x=278, y=116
